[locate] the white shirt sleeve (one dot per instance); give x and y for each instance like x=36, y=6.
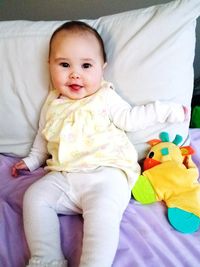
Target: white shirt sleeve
x=140, y=117
x=38, y=154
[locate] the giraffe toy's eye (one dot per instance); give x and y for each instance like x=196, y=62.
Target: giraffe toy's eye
x=151, y=154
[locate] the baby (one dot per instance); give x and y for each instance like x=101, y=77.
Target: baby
x=92, y=166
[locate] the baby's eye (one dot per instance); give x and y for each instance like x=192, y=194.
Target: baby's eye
x=86, y=65
x=64, y=65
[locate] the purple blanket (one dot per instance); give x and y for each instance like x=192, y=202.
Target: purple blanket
x=146, y=238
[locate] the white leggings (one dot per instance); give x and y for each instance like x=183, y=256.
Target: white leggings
x=101, y=196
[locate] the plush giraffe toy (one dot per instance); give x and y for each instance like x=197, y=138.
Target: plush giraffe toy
x=171, y=176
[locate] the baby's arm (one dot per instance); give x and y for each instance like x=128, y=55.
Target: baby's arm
x=140, y=117
x=34, y=160
x=38, y=153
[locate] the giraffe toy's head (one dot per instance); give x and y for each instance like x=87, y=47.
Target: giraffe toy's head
x=163, y=150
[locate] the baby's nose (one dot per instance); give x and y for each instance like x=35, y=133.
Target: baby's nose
x=74, y=75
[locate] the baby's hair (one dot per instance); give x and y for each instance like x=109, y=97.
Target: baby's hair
x=81, y=27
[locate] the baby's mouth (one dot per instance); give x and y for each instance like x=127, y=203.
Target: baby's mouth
x=75, y=87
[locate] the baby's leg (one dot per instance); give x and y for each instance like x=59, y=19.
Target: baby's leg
x=104, y=198
x=41, y=222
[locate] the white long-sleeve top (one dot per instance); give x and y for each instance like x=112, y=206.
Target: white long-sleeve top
x=80, y=135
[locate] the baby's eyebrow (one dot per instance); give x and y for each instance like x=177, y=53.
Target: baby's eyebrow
x=62, y=59
x=87, y=59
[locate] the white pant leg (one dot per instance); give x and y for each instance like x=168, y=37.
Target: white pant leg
x=103, y=196
x=41, y=222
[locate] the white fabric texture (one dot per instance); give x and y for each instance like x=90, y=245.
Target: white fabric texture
x=100, y=196
x=150, y=57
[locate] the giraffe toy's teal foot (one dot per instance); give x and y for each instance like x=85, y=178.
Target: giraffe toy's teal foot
x=183, y=221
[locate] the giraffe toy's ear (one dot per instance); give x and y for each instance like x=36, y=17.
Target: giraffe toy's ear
x=154, y=142
x=177, y=140
x=187, y=150
x=164, y=137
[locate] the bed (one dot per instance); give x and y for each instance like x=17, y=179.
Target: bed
x=150, y=54
x=146, y=238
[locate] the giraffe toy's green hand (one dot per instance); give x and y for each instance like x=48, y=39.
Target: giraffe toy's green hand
x=143, y=191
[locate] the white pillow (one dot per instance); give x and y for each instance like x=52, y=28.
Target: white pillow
x=150, y=56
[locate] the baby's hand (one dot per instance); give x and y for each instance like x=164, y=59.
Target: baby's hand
x=21, y=165
x=178, y=113
x=185, y=109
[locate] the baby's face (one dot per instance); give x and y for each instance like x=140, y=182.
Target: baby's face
x=76, y=64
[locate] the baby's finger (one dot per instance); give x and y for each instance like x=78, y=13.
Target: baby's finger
x=14, y=172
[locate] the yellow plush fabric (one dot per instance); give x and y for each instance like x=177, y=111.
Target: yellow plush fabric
x=176, y=184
